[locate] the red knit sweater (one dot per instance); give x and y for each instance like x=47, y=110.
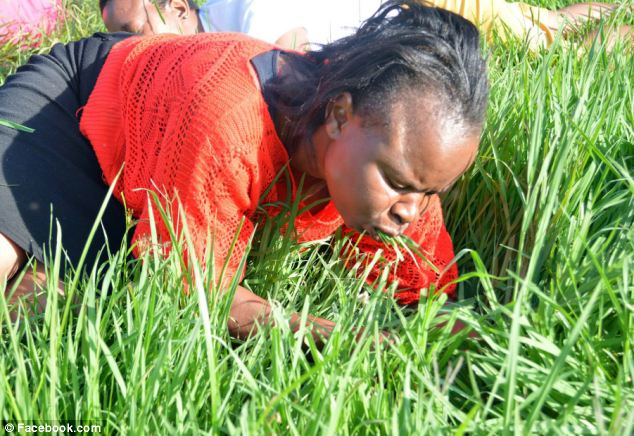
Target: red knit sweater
x=187, y=117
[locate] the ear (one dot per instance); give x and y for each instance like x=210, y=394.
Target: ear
x=180, y=8
x=338, y=112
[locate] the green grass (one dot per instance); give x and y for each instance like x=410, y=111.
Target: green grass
x=542, y=226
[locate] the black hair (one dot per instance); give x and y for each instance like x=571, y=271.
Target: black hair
x=404, y=45
x=161, y=4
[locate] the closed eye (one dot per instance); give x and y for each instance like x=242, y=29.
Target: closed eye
x=397, y=186
x=393, y=183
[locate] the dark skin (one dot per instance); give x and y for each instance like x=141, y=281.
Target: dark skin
x=379, y=177
x=142, y=16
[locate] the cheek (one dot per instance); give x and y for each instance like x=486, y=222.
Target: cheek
x=354, y=186
x=339, y=163
x=340, y=175
x=110, y=20
x=163, y=23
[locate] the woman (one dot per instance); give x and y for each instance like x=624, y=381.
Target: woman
x=293, y=23
x=377, y=124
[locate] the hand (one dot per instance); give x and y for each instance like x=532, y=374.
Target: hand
x=386, y=338
x=319, y=328
x=460, y=326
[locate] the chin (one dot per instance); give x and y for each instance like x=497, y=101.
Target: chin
x=353, y=224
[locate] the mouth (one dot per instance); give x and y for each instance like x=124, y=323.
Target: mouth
x=375, y=232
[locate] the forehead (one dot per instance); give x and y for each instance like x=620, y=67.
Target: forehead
x=127, y=15
x=124, y=8
x=428, y=142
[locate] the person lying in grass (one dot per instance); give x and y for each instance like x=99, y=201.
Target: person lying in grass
x=293, y=23
x=374, y=126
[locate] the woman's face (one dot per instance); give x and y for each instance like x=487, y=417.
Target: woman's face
x=141, y=16
x=381, y=178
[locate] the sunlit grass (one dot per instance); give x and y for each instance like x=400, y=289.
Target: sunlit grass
x=542, y=226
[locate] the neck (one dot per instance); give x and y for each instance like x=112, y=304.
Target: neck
x=307, y=155
x=303, y=155
x=303, y=161
x=307, y=162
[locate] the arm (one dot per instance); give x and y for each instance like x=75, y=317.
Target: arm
x=576, y=14
x=609, y=36
x=580, y=12
x=248, y=310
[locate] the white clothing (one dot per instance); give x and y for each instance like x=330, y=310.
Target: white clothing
x=324, y=20
x=328, y=20
x=258, y=18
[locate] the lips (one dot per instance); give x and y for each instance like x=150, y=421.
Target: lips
x=390, y=232
x=373, y=231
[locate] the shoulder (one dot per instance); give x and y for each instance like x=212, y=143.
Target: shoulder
x=208, y=45
x=93, y=49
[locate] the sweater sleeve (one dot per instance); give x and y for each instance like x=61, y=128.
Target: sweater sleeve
x=212, y=180
x=212, y=208
x=184, y=117
x=205, y=167
x=412, y=271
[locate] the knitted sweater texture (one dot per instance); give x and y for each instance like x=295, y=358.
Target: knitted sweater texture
x=185, y=117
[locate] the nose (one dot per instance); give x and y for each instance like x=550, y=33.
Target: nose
x=405, y=210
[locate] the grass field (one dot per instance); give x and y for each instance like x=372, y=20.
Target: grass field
x=542, y=226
